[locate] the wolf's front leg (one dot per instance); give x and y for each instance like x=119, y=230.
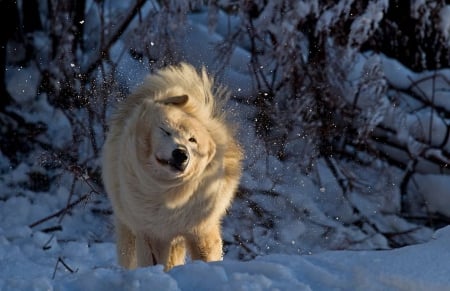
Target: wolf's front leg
x=151, y=251
x=126, y=246
x=146, y=251
x=206, y=244
x=177, y=255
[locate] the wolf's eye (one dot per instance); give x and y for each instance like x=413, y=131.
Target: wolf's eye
x=193, y=140
x=165, y=131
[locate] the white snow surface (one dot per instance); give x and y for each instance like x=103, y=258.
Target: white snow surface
x=26, y=265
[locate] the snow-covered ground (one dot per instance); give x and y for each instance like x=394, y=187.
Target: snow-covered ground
x=33, y=260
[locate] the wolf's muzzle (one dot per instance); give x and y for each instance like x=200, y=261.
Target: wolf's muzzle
x=180, y=158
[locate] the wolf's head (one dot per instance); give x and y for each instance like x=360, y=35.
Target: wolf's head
x=173, y=145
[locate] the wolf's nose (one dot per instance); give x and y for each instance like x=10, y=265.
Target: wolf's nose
x=180, y=158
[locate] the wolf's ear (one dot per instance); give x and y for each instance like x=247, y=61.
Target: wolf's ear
x=211, y=150
x=175, y=100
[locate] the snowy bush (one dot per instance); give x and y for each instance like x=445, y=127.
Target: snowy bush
x=418, y=39
x=333, y=110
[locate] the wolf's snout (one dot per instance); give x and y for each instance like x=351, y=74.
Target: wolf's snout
x=180, y=159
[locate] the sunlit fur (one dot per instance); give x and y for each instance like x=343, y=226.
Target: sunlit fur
x=161, y=213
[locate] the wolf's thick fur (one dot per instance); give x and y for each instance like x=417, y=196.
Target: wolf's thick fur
x=171, y=167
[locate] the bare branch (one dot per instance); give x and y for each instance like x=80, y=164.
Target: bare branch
x=114, y=37
x=61, y=261
x=62, y=211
